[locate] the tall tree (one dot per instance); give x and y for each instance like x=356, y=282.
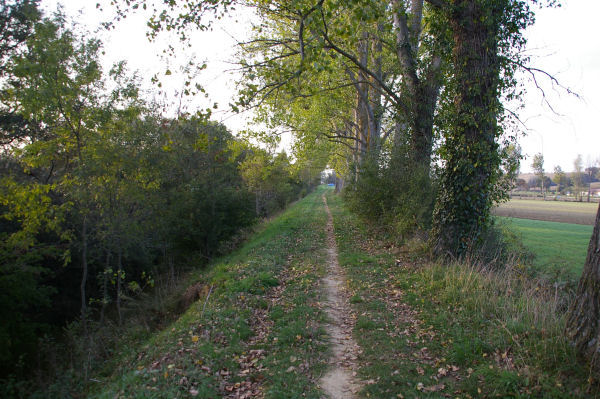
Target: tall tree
x=560, y=178
x=578, y=177
x=485, y=34
x=538, y=168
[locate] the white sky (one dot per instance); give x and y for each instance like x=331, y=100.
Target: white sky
x=129, y=42
x=563, y=42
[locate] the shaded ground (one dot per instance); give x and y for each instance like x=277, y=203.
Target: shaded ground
x=551, y=211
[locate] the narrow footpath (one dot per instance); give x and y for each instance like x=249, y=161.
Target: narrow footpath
x=339, y=382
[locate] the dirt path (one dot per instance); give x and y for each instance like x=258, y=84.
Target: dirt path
x=339, y=381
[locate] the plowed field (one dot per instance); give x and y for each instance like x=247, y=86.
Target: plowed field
x=551, y=211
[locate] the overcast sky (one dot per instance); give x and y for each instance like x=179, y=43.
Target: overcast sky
x=563, y=42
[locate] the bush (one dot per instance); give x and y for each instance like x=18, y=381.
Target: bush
x=393, y=192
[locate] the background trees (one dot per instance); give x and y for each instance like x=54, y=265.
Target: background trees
x=538, y=168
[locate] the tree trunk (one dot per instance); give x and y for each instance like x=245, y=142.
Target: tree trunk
x=105, y=288
x=84, y=274
x=583, y=322
x=119, y=271
x=421, y=91
x=463, y=205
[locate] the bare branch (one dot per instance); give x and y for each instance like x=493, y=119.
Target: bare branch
x=532, y=72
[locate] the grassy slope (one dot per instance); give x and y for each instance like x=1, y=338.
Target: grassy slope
x=428, y=330
x=559, y=247
x=259, y=330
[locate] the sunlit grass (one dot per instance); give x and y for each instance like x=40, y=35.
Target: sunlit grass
x=559, y=248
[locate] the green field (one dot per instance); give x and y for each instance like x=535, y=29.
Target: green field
x=558, y=247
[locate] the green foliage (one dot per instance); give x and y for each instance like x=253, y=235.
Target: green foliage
x=100, y=196
x=274, y=181
x=17, y=18
x=398, y=195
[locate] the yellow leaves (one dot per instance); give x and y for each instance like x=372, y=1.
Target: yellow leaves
x=194, y=338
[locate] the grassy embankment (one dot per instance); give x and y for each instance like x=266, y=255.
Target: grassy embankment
x=432, y=330
x=256, y=327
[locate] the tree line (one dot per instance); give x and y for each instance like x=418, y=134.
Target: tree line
x=101, y=195
x=577, y=182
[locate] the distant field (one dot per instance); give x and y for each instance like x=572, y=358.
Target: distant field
x=560, y=247
x=552, y=211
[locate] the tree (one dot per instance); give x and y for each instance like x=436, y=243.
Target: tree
x=485, y=34
x=17, y=18
x=578, y=177
x=583, y=321
x=538, y=170
x=401, y=54
x=560, y=178
x=590, y=173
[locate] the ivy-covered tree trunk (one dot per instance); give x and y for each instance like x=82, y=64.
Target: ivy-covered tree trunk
x=470, y=150
x=583, y=323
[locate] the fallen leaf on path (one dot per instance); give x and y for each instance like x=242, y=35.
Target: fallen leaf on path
x=434, y=388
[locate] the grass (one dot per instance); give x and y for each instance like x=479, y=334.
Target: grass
x=428, y=329
x=560, y=248
x=257, y=331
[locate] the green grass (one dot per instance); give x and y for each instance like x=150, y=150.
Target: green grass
x=559, y=248
x=261, y=324
x=450, y=330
